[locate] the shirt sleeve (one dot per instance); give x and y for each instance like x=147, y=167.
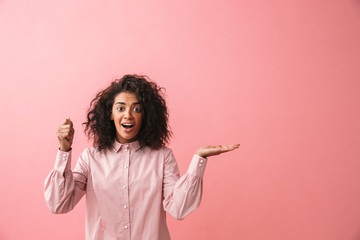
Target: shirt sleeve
x=182, y=195
x=64, y=188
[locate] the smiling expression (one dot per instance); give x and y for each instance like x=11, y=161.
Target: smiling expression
x=127, y=116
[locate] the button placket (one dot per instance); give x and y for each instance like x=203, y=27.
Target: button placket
x=125, y=190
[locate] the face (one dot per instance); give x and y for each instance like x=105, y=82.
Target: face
x=127, y=117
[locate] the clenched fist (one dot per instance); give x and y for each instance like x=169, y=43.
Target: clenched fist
x=65, y=133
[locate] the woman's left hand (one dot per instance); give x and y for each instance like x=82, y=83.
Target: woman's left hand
x=208, y=151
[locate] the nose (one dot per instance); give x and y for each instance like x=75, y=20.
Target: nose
x=128, y=114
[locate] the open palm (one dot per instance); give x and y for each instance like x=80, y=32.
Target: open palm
x=212, y=150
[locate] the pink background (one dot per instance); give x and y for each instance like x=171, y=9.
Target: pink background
x=280, y=77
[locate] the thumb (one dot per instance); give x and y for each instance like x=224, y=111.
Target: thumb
x=66, y=121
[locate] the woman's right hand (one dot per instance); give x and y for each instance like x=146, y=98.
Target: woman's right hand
x=65, y=133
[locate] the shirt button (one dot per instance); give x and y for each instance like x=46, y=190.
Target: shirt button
x=125, y=166
x=201, y=161
x=125, y=206
x=124, y=187
x=126, y=227
x=200, y=165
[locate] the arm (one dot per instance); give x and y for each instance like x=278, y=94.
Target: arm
x=183, y=195
x=63, y=188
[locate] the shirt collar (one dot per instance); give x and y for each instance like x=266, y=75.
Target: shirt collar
x=133, y=145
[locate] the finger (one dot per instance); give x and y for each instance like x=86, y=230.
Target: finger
x=64, y=135
x=70, y=122
x=61, y=137
x=66, y=126
x=62, y=128
x=65, y=130
x=65, y=121
x=208, y=146
x=224, y=149
x=69, y=131
x=232, y=147
x=213, y=146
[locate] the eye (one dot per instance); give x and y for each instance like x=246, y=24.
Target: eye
x=137, y=109
x=120, y=109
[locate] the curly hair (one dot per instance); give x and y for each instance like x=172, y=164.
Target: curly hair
x=155, y=131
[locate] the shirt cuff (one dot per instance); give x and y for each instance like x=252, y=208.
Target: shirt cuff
x=63, y=161
x=197, y=166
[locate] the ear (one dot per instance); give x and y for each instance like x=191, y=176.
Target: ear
x=111, y=116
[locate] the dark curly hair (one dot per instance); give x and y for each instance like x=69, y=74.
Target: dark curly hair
x=155, y=131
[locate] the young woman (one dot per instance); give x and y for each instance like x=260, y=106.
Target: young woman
x=129, y=176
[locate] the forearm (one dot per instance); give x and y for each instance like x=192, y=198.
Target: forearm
x=62, y=189
x=185, y=195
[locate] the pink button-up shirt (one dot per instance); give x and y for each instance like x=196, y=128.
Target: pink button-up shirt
x=128, y=190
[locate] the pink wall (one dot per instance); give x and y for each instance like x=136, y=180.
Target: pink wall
x=280, y=77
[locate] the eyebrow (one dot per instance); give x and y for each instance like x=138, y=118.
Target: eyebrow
x=135, y=103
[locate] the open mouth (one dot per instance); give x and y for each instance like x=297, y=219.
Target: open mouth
x=127, y=125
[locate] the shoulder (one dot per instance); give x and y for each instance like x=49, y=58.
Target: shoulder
x=91, y=153
x=167, y=151
x=163, y=152
x=163, y=149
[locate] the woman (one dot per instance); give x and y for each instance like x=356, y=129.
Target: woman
x=129, y=176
